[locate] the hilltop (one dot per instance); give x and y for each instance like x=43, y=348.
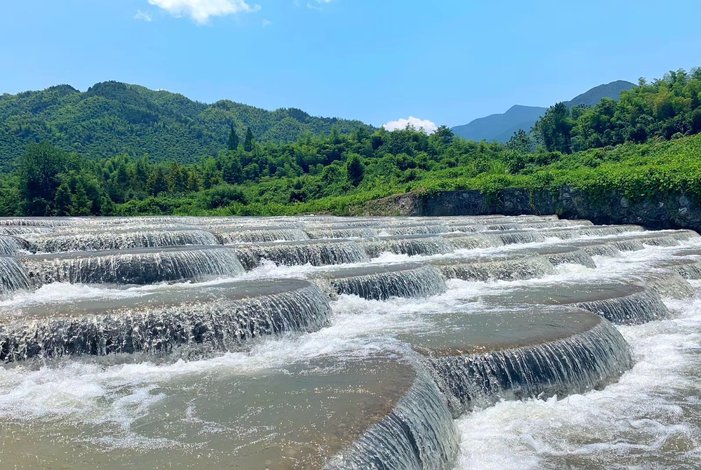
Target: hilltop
x=117, y=118
x=500, y=127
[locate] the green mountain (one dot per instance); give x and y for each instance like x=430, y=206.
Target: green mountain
x=500, y=127
x=598, y=93
x=117, y=118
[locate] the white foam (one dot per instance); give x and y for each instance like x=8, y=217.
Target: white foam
x=651, y=413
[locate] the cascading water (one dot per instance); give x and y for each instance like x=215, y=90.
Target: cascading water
x=476, y=240
x=266, y=371
x=520, y=267
x=10, y=245
x=510, y=237
x=565, y=255
x=13, y=277
x=221, y=317
x=617, y=302
x=543, y=354
x=120, y=240
x=668, y=283
x=138, y=266
x=418, y=433
x=255, y=235
x=421, y=229
x=411, y=245
x=348, y=232
x=315, y=253
x=383, y=282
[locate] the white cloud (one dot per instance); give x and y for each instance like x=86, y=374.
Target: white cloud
x=201, y=10
x=142, y=16
x=266, y=22
x=316, y=4
x=425, y=125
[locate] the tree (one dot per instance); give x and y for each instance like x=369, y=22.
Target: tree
x=62, y=200
x=80, y=202
x=157, y=182
x=233, y=142
x=520, y=142
x=443, y=135
x=39, y=172
x=554, y=129
x=177, y=179
x=356, y=170
x=248, y=142
x=231, y=170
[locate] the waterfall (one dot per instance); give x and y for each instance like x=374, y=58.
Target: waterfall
x=383, y=282
x=568, y=255
x=472, y=241
x=13, y=277
x=221, y=317
x=523, y=267
x=520, y=236
x=408, y=245
x=420, y=229
x=316, y=253
x=120, y=240
x=627, y=245
x=137, y=266
x=668, y=283
x=348, y=232
x=417, y=434
x=11, y=245
x=586, y=359
x=255, y=235
x=638, y=307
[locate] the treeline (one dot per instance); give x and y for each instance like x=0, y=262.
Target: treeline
x=48, y=181
x=339, y=172
x=113, y=118
x=664, y=109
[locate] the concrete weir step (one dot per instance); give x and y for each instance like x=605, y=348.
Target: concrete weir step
x=120, y=239
x=314, y=252
x=380, y=282
x=480, y=358
x=618, y=302
x=503, y=267
x=133, y=266
x=328, y=413
x=216, y=317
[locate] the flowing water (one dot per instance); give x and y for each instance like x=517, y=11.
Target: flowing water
x=323, y=342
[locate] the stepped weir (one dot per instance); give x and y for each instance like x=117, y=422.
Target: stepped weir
x=137, y=266
x=193, y=341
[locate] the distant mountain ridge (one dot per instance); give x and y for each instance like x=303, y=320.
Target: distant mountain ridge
x=500, y=127
x=117, y=118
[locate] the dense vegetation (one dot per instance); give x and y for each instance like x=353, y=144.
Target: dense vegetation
x=340, y=172
x=501, y=127
x=664, y=109
x=115, y=118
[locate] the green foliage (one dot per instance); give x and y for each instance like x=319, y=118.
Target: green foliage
x=341, y=172
x=248, y=142
x=39, y=171
x=115, y=118
x=233, y=142
x=356, y=170
x=661, y=110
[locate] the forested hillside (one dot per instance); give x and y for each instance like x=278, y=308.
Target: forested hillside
x=114, y=118
x=663, y=109
x=500, y=127
x=646, y=143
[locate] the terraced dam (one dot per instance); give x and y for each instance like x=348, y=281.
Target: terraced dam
x=348, y=343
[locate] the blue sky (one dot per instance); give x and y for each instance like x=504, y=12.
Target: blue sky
x=375, y=60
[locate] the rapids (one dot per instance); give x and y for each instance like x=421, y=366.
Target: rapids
x=368, y=342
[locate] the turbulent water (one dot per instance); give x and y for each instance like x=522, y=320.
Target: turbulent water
x=311, y=342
